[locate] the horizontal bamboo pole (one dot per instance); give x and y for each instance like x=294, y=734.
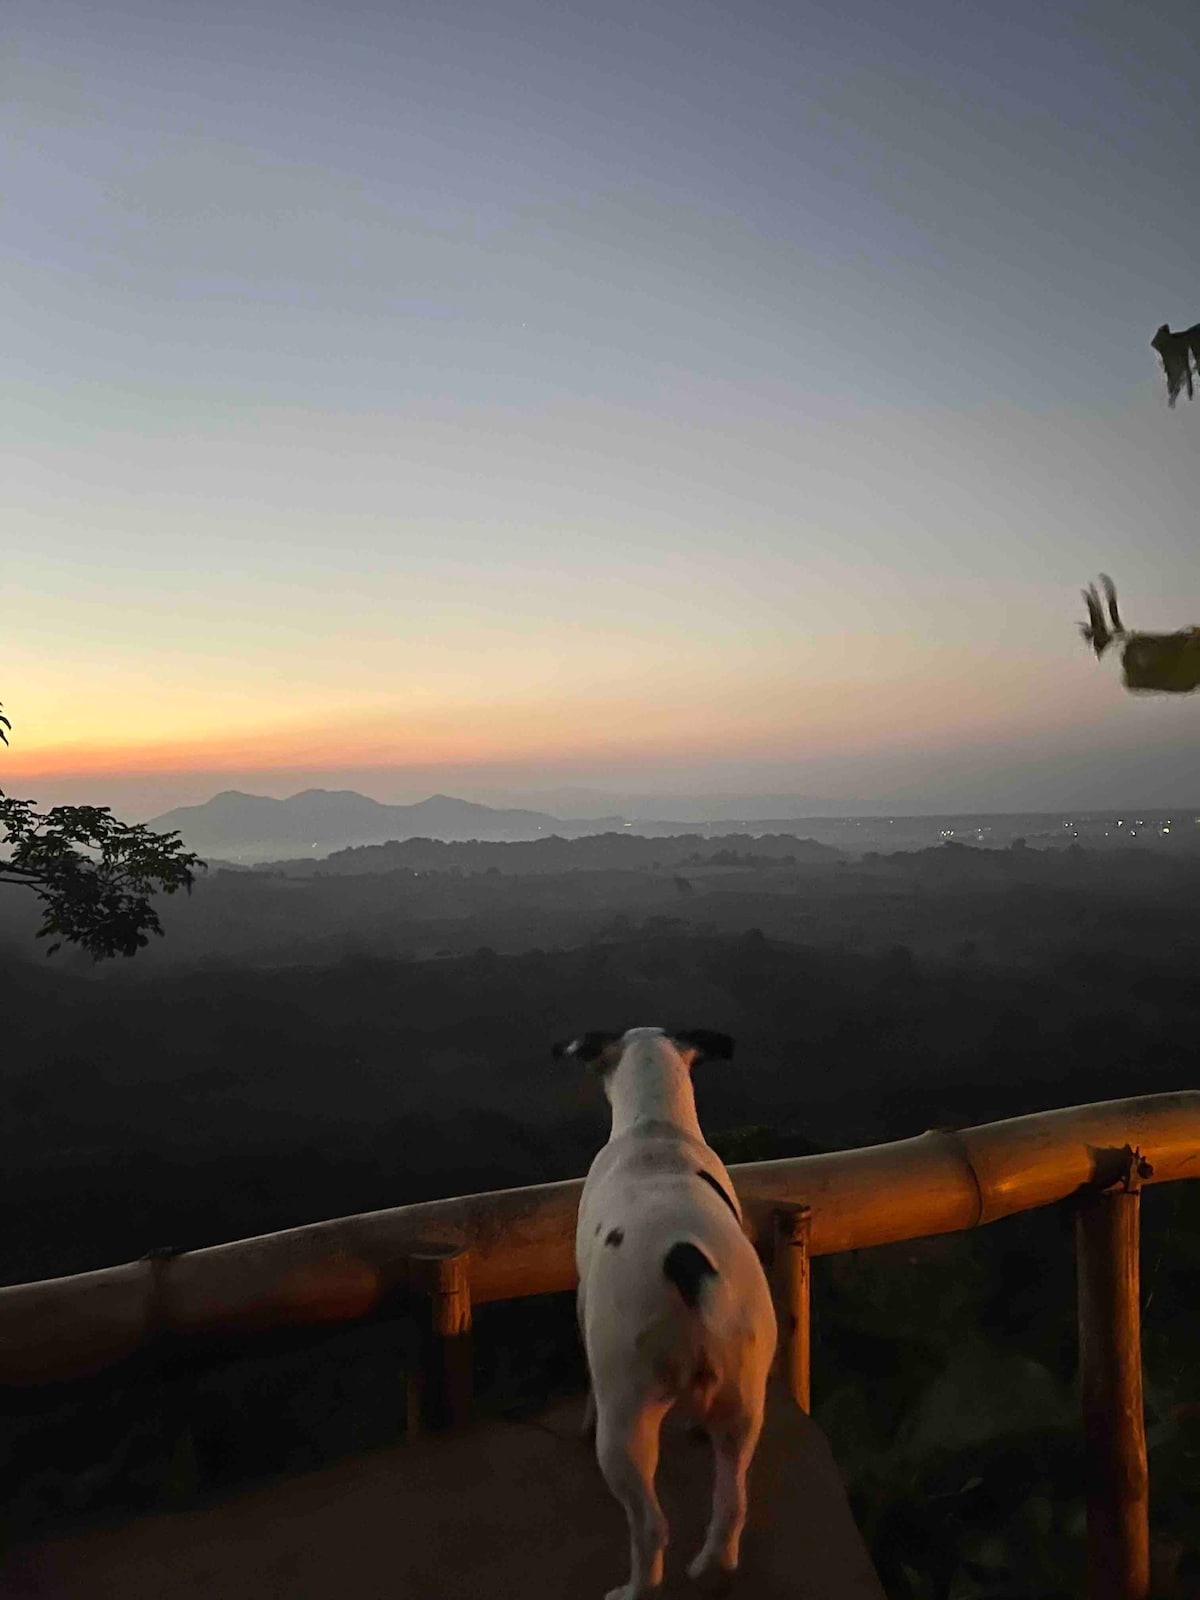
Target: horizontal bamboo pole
x=522, y=1240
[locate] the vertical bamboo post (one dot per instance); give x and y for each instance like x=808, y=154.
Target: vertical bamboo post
x=793, y=1227
x=1110, y=1374
x=180, y=1480
x=414, y=1367
x=439, y=1380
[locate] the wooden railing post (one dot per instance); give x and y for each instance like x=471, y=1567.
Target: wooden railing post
x=793, y=1227
x=439, y=1377
x=1110, y=1375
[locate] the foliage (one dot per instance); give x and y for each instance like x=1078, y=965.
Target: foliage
x=975, y=1488
x=943, y=1369
x=93, y=873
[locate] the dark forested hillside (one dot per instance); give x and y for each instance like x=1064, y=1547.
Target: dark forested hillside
x=303, y=1046
x=394, y=1046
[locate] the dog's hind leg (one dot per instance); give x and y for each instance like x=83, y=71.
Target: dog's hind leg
x=627, y=1449
x=733, y=1448
x=587, y=1428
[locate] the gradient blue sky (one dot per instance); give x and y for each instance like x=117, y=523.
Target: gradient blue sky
x=649, y=396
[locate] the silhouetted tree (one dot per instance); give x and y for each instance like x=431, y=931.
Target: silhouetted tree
x=93, y=873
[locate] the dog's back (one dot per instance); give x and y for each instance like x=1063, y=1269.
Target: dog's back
x=660, y=1237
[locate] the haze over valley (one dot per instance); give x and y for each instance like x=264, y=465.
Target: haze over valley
x=256, y=829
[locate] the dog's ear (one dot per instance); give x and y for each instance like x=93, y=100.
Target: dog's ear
x=587, y=1047
x=708, y=1045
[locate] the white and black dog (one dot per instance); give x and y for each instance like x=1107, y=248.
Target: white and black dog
x=674, y=1306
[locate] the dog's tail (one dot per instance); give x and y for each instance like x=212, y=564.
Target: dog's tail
x=689, y=1269
x=678, y=1346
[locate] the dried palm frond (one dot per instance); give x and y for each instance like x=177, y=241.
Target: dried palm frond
x=1178, y=352
x=1098, y=633
x=1167, y=663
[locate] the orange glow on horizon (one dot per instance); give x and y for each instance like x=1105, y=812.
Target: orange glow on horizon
x=659, y=708
x=763, y=721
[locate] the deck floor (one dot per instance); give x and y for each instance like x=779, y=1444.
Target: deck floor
x=497, y=1511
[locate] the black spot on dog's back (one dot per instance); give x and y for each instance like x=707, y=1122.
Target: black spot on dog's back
x=615, y=1237
x=707, y=1177
x=689, y=1269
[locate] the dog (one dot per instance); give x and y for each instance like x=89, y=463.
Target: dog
x=674, y=1306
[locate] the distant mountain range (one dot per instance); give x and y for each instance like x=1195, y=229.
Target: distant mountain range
x=250, y=828
x=253, y=827
x=710, y=807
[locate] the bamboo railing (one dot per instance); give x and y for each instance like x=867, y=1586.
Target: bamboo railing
x=444, y=1255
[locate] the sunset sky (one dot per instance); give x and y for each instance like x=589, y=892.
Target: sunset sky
x=497, y=396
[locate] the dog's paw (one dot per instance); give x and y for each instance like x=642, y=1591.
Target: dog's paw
x=708, y=1570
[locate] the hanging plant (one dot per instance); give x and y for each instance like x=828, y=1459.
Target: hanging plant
x=1179, y=352
x=1164, y=663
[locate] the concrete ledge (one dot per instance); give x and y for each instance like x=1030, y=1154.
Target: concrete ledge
x=498, y=1511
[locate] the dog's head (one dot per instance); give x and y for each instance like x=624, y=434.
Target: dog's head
x=601, y=1050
